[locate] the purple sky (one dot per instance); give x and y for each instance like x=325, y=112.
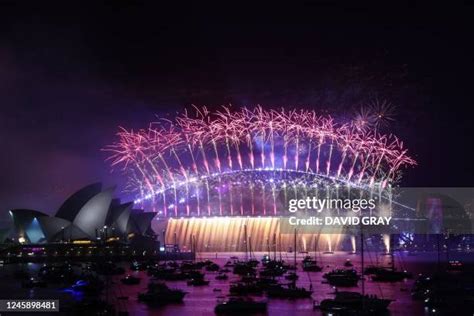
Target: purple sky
x=69, y=78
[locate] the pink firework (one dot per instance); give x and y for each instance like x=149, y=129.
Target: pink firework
x=204, y=147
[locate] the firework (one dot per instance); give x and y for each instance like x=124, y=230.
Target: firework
x=217, y=163
x=383, y=113
x=365, y=119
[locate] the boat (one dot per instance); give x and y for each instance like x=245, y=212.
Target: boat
x=272, y=272
x=137, y=266
x=90, y=286
x=222, y=276
x=389, y=275
x=194, y=275
x=341, y=277
x=265, y=283
x=173, y=264
x=130, y=280
x=371, y=269
x=32, y=283
x=245, y=288
x=292, y=276
x=212, y=267
x=244, y=268
x=290, y=291
x=187, y=265
x=198, y=282
x=228, y=264
x=240, y=305
x=266, y=259
x=455, y=265
x=353, y=302
x=310, y=265
x=160, y=294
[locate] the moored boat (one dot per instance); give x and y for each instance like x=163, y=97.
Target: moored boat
x=290, y=291
x=160, y=294
x=354, y=302
x=341, y=277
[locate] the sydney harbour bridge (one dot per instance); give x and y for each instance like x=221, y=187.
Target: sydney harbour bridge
x=211, y=174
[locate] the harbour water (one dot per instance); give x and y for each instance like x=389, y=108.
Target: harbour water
x=201, y=300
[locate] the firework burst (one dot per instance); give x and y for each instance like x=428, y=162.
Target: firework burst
x=364, y=119
x=218, y=163
x=383, y=113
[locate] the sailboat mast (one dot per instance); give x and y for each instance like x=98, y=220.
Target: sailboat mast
x=274, y=247
x=245, y=243
x=315, y=246
x=280, y=247
x=392, y=258
x=193, y=246
x=250, y=247
x=362, y=261
x=294, y=250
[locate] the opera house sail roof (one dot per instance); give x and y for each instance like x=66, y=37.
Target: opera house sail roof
x=87, y=214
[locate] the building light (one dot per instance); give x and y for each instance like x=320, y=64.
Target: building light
x=81, y=241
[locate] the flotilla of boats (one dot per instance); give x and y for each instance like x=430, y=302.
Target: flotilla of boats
x=265, y=277
x=450, y=289
x=273, y=278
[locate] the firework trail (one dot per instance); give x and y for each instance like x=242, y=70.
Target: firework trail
x=226, y=153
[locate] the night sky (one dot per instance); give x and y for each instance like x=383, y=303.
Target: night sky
x=70, y=76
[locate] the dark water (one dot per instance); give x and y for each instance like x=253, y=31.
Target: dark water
x=202, y=300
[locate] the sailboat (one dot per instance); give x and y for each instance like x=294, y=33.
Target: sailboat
x=248, y=266
x=289, y=291
x=342, y=277
x=310, y=264
x=388, y=274
x=354, y=302
x=160, y=293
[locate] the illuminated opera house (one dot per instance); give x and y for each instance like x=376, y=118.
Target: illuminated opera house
x=89, y=214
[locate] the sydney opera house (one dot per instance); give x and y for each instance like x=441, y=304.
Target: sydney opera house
x=90, y=214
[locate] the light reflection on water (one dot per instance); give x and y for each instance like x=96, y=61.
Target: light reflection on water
x=202, y=300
